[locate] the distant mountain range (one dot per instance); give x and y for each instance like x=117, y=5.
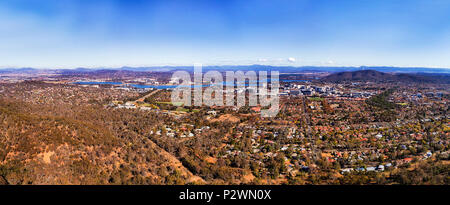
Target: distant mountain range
x=282, y=69
x=376, y=76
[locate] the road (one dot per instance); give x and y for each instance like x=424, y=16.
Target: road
x=146, y=96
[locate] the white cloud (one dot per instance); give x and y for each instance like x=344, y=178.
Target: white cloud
x=262, y=60
x=291, y=59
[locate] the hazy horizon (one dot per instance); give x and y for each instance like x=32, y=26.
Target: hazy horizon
x=233, y=67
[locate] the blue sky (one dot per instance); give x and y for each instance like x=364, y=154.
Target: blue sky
x=114, y=33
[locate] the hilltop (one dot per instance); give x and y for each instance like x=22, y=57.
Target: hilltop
x=377, y=76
